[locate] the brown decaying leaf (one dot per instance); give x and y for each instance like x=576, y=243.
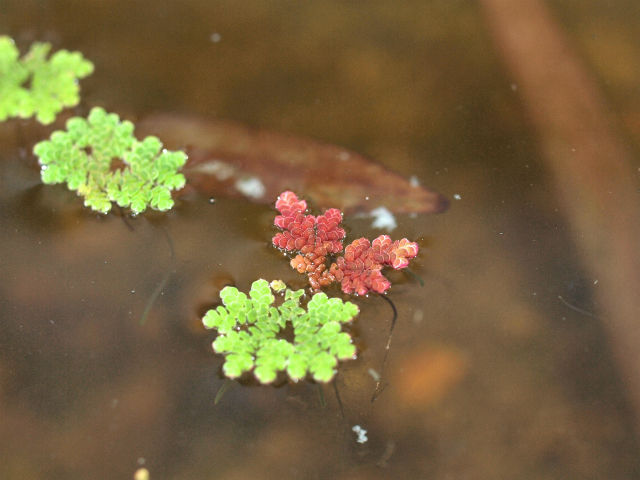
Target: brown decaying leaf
x=231, y=160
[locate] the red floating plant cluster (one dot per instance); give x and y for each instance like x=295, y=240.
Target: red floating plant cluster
x=358, y=270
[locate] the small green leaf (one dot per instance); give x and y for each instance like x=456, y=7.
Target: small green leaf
x=98, y=202
x=236, y=364
x=36, y=86
x=252, y=328
x=297, y=367
x=323, y=367
x=82, y=157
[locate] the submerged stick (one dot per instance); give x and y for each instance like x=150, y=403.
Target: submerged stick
x=591, y=165
x=379, y=385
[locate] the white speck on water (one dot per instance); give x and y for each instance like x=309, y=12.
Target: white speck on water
x=457, y=196
x=222, y=171
x=142, y=461
x=514, y=87
x=595, y=282
x=215, y=37
x=361, y=433
x=375, y=375
x=383, y=219
x=251, y=187
x=413, y=181
x=212, y=200
x=133, y=291
x=344, y=156
x=366, y=198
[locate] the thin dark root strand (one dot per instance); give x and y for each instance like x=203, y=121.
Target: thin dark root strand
x=124, y=218
x=224, y=388
x=323, y=402
x=156, y=293
x=576, y=309
x=379, y=384
x=335, y=389
x=415, y=276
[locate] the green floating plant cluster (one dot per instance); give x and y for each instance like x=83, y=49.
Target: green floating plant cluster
x=35, y=85
x=250, y=331
x=100, y=158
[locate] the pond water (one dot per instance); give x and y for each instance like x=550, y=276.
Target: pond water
x=500, y=366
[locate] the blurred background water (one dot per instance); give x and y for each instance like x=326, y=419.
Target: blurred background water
x=502, y=364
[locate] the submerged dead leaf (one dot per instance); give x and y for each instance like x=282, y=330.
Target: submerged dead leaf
x=231, y=160
x=426, y=375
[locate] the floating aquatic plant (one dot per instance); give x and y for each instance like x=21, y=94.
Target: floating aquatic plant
x=250, y=332
x=100, y=158
x=35, y=85
x=317, y=237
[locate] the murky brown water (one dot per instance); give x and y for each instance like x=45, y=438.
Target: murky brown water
x=490, y=374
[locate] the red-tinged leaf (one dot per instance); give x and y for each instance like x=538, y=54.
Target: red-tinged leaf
x=229, y=159
x=358, y=270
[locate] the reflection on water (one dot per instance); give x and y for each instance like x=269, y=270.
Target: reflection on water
x=489, y=375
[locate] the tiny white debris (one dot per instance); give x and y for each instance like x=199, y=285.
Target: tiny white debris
x=223, y=171
x=457, y=196
x=344, y=156
x=250, y=187
x=595, y=282
x=361, y=433
x=514, y=87
x=215, y=37
x=375, y=375
x=413, y=180
x=383, y=219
